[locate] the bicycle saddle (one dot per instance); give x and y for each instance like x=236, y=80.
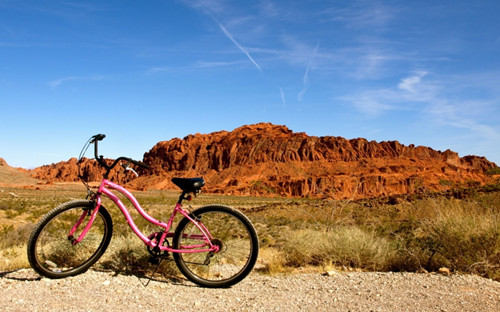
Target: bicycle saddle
x=189, y=185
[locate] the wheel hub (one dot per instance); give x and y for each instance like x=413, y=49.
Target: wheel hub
x=217, y=242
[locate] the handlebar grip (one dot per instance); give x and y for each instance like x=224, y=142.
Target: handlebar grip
x=97, y=137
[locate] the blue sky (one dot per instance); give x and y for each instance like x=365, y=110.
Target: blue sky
x=419, y=72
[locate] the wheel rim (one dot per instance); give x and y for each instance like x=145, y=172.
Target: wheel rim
x=235, y=248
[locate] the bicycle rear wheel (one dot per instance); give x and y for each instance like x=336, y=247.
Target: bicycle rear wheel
x=51, y=252
x=236, y=237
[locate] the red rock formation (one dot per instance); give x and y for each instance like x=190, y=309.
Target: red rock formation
x=266, y=159
x=67, y=171
x=269, y=159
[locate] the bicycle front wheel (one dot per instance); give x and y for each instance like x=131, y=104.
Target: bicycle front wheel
x=238, y=245
x=51, y=251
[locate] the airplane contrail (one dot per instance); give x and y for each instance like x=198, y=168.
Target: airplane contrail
x=282, y=93
x=305, y=78
x=230, y=36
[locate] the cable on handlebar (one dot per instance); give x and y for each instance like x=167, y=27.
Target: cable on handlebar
x=84, y=150
x=78, y=165
x=100, y=159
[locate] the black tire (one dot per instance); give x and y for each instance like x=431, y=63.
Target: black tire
x=52, y=254
x=238, y=241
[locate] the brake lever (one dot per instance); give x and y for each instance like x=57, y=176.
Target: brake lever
x=136, y=174
x=127, y=167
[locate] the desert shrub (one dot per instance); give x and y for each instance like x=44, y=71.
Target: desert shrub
x=345, y=245
x=466, y=240
x=271, y=261
x=13, y=246
x=461, y=235
x=13, y=236
x=13, y=258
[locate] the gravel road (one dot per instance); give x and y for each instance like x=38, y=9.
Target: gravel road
x=23, y=290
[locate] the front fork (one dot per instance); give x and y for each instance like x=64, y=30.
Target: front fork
x=92, y=212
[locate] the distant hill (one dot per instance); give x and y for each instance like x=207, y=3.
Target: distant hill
x=267, y=159
x=10, y=176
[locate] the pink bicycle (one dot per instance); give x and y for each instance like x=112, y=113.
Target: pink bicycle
x=213, y=246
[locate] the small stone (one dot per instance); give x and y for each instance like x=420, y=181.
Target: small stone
x=329, y=273
x=444, y=271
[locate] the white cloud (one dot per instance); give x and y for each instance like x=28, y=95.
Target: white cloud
x=371, y=103
x=432, y=101
x=409, y=91
x=366, y=15
x=58, y=82
x=208, y=6
x=268, y=8
x=411, y=84
x=462, y=114
x=157, y=69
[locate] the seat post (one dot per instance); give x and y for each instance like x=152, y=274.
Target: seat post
x=181, y=198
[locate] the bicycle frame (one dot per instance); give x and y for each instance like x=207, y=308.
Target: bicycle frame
x=151, y=240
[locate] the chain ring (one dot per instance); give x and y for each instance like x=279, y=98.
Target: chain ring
x=156, y=251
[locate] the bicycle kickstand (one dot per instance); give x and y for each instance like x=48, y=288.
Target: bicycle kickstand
x=154, y=261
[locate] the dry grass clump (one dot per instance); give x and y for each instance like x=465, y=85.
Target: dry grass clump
x=462, y=235
x=464, y=238
x=13, y=246
x=271, y=261
x=348, y=246
x=425, y=233
x=14, y=236
x=13, y=258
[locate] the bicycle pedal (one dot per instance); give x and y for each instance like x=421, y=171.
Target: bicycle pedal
x=154, y=260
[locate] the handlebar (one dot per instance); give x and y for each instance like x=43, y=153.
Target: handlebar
x=135, y=162
x=97, y=137
x=100, y=159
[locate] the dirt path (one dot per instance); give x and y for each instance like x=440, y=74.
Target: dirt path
x=100, y=291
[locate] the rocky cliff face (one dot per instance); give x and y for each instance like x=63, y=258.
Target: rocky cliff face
x=266, y=159
x=67, y=171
